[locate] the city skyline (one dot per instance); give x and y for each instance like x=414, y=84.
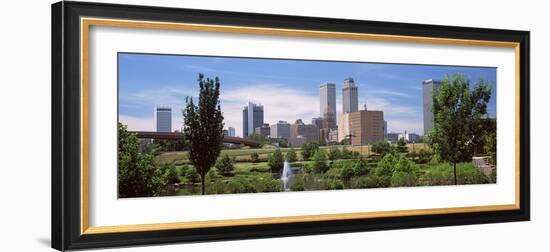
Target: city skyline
x=396, y=89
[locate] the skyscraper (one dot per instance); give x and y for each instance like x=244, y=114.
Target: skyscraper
x=327, y=103
x=163, y=119
x=253, y=117
x=428, y=86
x=280, y=130
x=350, y=101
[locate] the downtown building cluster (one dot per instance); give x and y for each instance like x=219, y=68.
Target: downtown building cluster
x=359, y=126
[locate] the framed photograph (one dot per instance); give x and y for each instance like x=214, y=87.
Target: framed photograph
x=180, y=125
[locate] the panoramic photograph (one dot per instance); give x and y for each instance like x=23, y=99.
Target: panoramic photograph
x=198, y=125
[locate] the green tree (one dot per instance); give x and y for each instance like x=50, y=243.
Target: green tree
x=255, y=157
x=458, y=114
x=203, y=127
x=319, y=161
x=276, y=161
x=225, y=165
x=309, y=149
x=384, y=170
x=137, y=176
x=381, y=147
x=402, y=146
x=291, y=155
x=361, y=168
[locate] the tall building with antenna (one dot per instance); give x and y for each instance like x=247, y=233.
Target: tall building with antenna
x=350, y=101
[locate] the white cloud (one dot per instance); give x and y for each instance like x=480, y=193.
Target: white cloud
x=162, y=96
x=138, y=123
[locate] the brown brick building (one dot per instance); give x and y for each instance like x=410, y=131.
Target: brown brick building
x=364, y=126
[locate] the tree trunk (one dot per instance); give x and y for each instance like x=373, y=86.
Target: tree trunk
x=454, y=164
x=202, y=184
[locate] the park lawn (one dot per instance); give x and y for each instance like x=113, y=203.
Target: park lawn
x=243, y=155
x=247, y=167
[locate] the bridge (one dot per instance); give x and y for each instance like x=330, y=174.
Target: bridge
x=175, y=135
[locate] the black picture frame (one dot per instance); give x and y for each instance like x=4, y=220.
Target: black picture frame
x=66, y=114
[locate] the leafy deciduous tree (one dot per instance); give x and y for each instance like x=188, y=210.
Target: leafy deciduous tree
x=458, y=113
x=291, y=155
x=137, y=175
x=203, y=126
x=276, y=161
x=309, y=149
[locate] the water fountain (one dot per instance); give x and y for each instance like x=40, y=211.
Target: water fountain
x=285, y=175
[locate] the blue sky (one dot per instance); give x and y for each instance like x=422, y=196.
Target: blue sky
x=288, y=89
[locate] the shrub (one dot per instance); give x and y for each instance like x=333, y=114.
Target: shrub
x=218, y=187
x=402, y=164
x=336, y=184
x=384, y=170
x=347, y=154
x=400, y=178
x=308, y=167
x=466, y=173
x=334, y=153
x=212, y=174
x=276, y=161
x=361, y=167
x=347, y=172
x=172, y=174
x=370, y=181
x=297, y=183
x=309, y=149
x=331, y=184
x=424, y=156
x=381, y=147
x=240, y=185
x=224, y=165
x=254, y=157
x=291, y=155
x=192, y=175
x=319, y=161
x=402, y=146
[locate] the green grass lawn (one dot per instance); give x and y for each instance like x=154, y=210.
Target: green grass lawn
x=243, y=155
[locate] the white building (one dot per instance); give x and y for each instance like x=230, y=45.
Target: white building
x=163, y=119
x=350, y=102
